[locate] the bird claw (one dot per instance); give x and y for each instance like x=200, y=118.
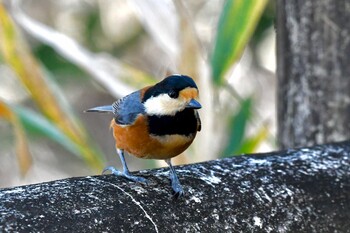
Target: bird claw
x=177, y=189
x=126, y=175
x=177, y=193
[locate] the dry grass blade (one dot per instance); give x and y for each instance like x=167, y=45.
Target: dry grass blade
x=22, y=150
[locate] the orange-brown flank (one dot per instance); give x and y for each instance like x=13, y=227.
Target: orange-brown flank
x=136, y=140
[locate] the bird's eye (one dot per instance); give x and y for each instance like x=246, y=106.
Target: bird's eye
x=173, y=94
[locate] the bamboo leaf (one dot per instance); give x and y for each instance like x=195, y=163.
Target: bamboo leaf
x=237, y=126
x=236, y=25
x=22, y=150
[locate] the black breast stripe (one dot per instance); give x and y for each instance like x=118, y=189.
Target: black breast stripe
x=183, y=123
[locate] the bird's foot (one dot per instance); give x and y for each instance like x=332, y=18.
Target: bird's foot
x=125, y=174
x=177, y=189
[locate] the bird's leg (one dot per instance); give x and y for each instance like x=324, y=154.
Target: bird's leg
x=175, y=183
x=126, y=173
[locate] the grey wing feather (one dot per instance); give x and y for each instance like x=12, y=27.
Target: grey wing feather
x=128, y=108
x=106, y=108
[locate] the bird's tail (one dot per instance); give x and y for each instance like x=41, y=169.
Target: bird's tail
x=106, y=108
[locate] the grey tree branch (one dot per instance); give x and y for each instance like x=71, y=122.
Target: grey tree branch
x=302, y=190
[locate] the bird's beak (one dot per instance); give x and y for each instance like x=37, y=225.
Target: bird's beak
x=194, y=104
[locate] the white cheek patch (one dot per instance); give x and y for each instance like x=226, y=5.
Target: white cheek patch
x=163, y=105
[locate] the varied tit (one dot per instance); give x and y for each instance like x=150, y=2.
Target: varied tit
x=156, y=122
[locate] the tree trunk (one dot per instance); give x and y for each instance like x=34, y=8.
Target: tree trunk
x=313, y=60
x=304, y=190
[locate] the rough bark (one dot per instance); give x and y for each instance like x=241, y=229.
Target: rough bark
x=313, y=50
x=304, y=190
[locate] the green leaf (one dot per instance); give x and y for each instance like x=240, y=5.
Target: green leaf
x=236, y=25
x=237, y=126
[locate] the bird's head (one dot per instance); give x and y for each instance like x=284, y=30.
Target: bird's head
x=173, y=94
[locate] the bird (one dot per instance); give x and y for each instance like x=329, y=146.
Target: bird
x=155, y=122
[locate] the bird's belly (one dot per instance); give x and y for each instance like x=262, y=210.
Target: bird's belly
x=170, y=145
x=136, y=140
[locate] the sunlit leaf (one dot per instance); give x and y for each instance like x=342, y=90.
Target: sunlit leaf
x=22, y=150
x=19, y=58
x=237, y=126
x=236, y=25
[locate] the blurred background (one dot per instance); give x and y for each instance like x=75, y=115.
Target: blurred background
x=59, y=58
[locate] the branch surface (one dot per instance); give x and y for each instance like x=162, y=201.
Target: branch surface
x=301, y=190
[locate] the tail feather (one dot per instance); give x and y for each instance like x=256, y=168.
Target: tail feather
x=106, y=108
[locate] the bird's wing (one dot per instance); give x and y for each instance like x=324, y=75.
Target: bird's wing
x=128, y=108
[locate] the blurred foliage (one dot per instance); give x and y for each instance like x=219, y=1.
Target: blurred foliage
x=58, y=122
x=238, y=142
x=56, y=64
x=266, y=21
x=236, y=25
x=92, y=26
x=28, y=71
x=250, y=144
x=237, y=127
x=23, y=154
x=38, y=125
